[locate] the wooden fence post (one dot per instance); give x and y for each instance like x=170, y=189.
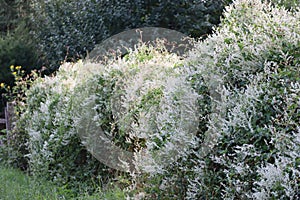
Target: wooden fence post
x=9, y=115
x=9, y=119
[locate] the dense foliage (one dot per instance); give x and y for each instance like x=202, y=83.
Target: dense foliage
x=67, y=30
x=11, y=13
x=17, y=46
x=16, y=49
x=233, y=103
x=255, y=53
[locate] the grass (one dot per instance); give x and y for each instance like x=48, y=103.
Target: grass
x=16, y=185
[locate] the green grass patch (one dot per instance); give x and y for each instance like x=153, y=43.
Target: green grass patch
x=16, y=184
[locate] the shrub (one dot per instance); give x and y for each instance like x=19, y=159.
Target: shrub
x=55, y=105
x=54, y=150
x=252, y=61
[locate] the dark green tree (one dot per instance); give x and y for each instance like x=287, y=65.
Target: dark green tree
x=17, y=46
x=67, y=30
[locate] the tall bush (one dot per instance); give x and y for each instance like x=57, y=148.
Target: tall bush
x=252, y=62
x=128, y=113
x=54, y=150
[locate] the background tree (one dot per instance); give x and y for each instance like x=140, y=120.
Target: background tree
x=67, y=30
x=17, y=46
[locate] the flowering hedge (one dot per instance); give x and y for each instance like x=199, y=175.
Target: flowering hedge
x=252, y=62
x=147, y=113
x=240, y=87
